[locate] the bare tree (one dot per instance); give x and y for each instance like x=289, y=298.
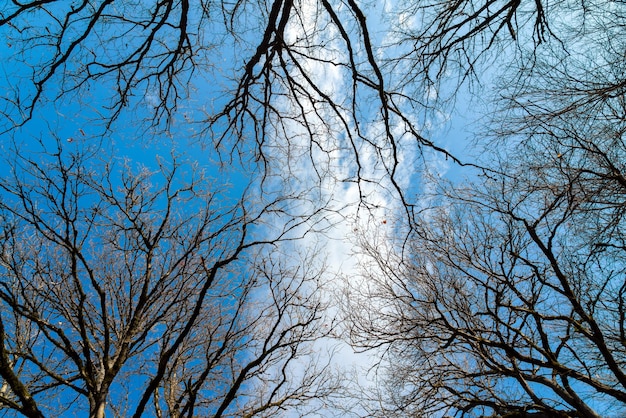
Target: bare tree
x=269, y=85
x=509, y=301
x=131, y=290
x=310, y=74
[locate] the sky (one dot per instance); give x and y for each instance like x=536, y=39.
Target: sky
x=75, y=122
x=355, y=202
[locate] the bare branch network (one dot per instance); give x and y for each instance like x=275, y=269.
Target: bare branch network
x=151, y=290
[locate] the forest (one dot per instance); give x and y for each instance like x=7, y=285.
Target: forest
x=313, y=208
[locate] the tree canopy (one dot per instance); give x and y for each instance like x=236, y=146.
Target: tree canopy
x=175, y=171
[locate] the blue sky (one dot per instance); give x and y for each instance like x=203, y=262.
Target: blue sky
x=75, y=121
